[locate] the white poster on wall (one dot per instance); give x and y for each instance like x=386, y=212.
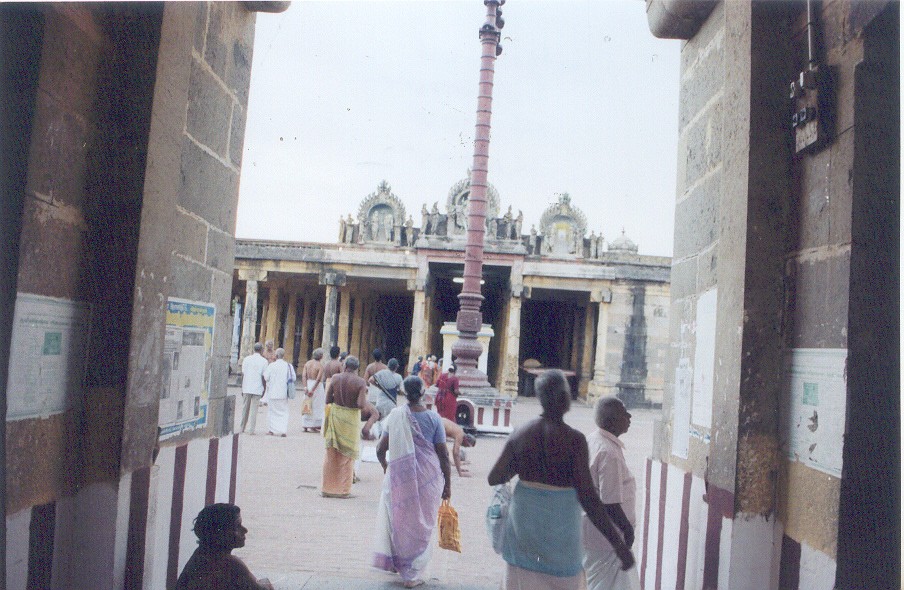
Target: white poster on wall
x=704, y=359
x=818, y=405
x=48, y=355
x=681, y=415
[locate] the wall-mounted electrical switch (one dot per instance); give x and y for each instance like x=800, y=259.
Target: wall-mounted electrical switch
x=809, y=120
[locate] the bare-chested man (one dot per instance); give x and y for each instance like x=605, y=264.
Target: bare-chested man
x=459, y=439
x=376, y=366
x=312, y=375
x=552, y=463
x=346, y=397
x=332, y=367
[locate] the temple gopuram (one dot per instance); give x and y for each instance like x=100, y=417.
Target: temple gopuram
x=555, y=295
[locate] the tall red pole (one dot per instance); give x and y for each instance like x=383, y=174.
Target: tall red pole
x=469, y=321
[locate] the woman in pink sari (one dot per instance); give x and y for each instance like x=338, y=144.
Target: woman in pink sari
x=414, y=457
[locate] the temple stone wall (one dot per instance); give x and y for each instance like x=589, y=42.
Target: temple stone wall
x=128, y=185
x=785, y=274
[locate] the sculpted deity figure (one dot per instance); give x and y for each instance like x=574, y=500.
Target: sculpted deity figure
x=349, y=230
x=388, y=223
x=506, y=224
x=518, y=221
x=599, y=245
x=341, y=229
x=534, y=247
x=409, y=232
x=425, y=218
x=593, y=245
x=492, y=227
x=434, y=218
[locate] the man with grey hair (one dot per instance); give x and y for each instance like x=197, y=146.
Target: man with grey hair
x=280, y=376
x=617, y=490
x=253, y=384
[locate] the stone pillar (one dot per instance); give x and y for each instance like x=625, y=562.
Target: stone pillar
x=345, y=297
x=332, y=280
x=249, y=313
x=597, y=388
x=586, y=353
x=304, y=349
x=318, y=321
x=418, y=325
x=272, y=317
x=512, y=344
x=262, y=337
x=358, y=315
x=289, y=338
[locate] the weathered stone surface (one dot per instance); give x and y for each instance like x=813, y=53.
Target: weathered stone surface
x=807, y=506
x=201, y=9
x=208, y=189
x=701, y=146
x=61, y=138
x=71, y=59
x=818, y=301
x=190, y=280
x=209, y=111
x=192, y=236
x=220, y=250
x=237, y=135
x=50, y=253
x=703, y=80
x=822, y=211
x=696, y=216
x=40, y=477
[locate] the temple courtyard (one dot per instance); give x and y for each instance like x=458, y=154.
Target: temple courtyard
x=299, y=539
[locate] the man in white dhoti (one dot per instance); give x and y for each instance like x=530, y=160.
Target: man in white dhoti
x=252, y=387
x=279, y=376
x=617, y=490
x=314, y=404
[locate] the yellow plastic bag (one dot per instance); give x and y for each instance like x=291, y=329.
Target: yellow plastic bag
x=449, y=533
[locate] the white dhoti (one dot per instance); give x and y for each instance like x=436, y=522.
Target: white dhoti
x=604, y=572
x=278, y=416
x=318, y=407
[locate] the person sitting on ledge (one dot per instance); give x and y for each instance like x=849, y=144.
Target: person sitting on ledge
x=212, y=566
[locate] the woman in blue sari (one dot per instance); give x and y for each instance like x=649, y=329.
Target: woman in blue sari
x=542, y=547
x=415, y=459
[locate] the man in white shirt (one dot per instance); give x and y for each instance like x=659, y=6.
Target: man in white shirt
x=617, y=490
x=252, y=387
x=280, y=376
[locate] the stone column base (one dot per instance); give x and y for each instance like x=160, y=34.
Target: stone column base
x=598, y=389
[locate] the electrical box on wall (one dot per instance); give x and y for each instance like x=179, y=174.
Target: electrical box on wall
x=810, y=94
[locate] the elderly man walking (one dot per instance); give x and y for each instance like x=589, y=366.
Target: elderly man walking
x=280, y=376
x=346, y=396
x=253, y=384
x=617, y=490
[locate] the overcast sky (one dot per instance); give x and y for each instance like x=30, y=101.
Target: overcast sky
x=346, y=94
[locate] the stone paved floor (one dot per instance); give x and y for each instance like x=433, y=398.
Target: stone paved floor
x=300, y=540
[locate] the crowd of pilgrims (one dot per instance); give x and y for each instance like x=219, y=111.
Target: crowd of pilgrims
x=568, y=521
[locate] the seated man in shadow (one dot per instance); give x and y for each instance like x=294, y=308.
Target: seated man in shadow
x=212, y=566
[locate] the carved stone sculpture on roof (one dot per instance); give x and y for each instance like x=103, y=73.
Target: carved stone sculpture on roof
x=563, y=227
x=378, y=214
x=457, y=206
